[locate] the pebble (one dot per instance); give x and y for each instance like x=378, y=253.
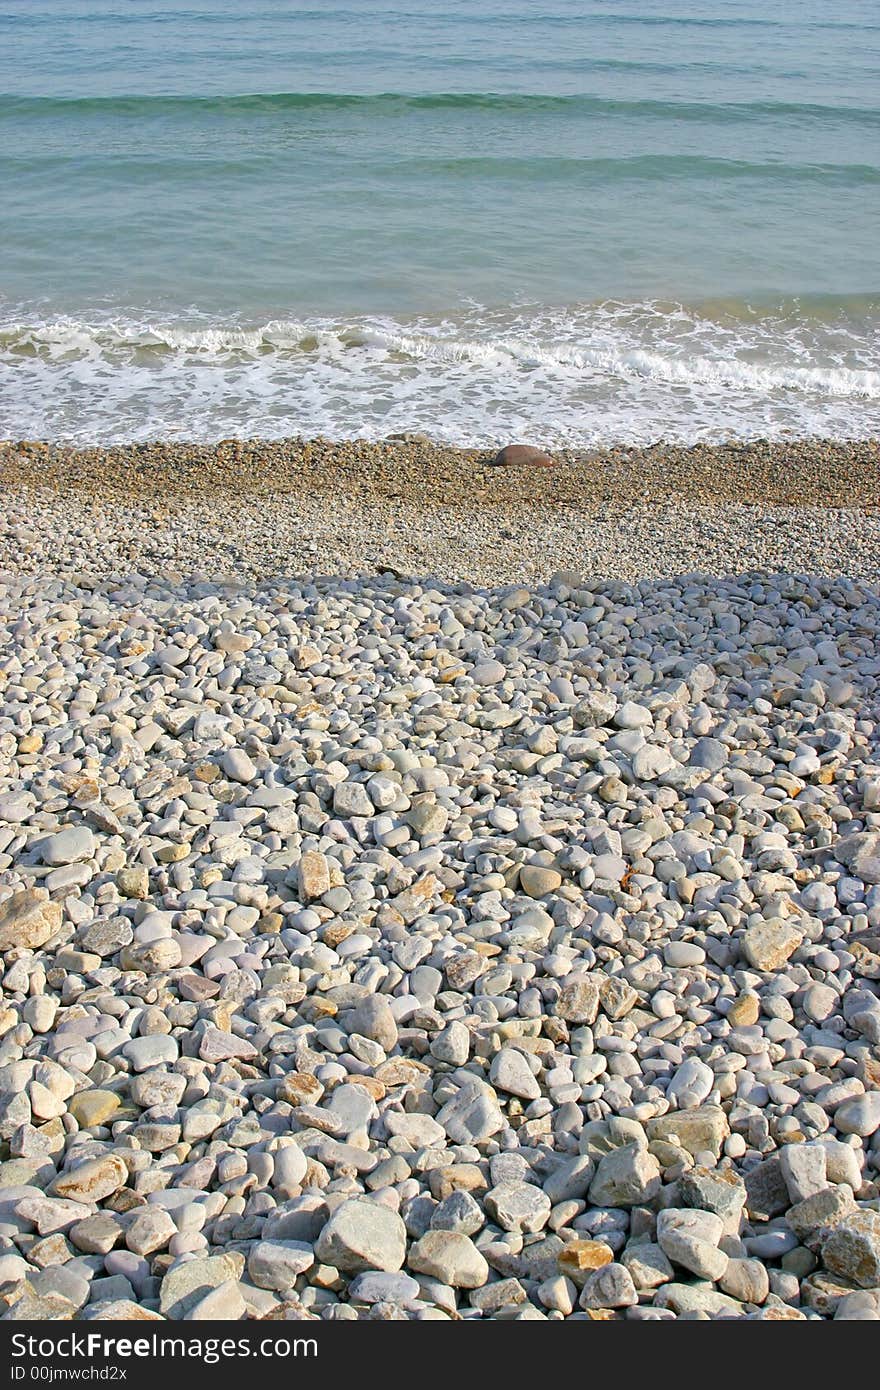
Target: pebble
x=69, y=846
x=609, y=1287
x=379, y=1287
x=450, y=1257
x=852, y=1248
x=767, y=945
x=804, y=1170
x=28, y=919
x=362, y=1235
x=518, y=1206
x=186, y=1283
x=861, y=1115
x=276, y=1264
x=413, y=946
x=92, y=1180
x=690, y=1084
x=221, y=1304
x=689, y=1238
x=626, y=1177
x=510, y=1072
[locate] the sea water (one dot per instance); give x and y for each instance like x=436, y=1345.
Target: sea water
x=578, y=221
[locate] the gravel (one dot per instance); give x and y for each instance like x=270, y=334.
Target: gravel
x=256, y=510
x=396, y=947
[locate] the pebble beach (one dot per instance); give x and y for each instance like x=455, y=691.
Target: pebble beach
x=431, y=890
x=258, y=509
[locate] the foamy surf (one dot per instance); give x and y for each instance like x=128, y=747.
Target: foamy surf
x=593, y=375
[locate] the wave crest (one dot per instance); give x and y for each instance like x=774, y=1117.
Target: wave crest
x=601, y=373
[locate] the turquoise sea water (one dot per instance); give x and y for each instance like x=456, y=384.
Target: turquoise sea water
x=570, y=221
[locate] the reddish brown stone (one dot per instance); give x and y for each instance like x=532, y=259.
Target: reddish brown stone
x=522, y=456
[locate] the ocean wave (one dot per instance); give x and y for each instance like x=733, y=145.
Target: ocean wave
x=66, y=338
x=601, y=373
x=663, y=167
x=393, y=103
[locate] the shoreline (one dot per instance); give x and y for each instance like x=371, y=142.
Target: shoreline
x=806, y=472
x=253, y=510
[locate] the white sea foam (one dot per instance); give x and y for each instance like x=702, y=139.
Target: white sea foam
x=598, y=374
